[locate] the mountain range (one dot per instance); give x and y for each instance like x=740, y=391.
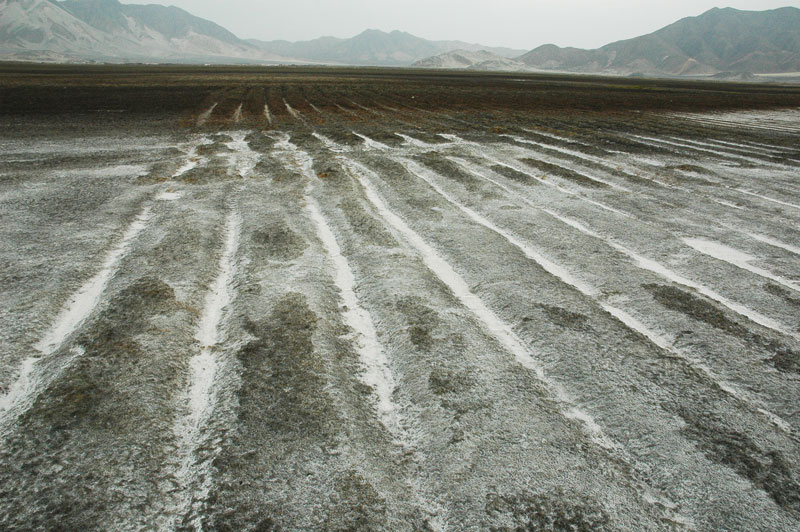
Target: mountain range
x=373, y=47
x=725, y=43
x=107, y=30
x=720, y=40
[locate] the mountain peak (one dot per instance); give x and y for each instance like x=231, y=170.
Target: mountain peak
x=98, y=2
x=380, y=33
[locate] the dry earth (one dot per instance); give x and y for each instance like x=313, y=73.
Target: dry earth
x=382, y=300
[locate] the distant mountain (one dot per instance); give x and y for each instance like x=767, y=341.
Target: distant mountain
x=465, y=59
x=29, y=27
x=551, y=57
x=724, y=42
x=720, y=40
x=141, y=21
x=372, y=47
x=106, y=30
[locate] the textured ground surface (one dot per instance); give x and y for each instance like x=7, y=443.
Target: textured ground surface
x=309, y=302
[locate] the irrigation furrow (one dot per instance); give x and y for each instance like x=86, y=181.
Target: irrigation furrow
x=237, y=114
x=737, y=258
x=767, y=198
x=442, y=307
x=370, y=143
x=585, y=289
x=267, y=114
x=666, y=273
x=374, y=365
x=34, y=375
x=650, y=165
x=345, y=110
x=728, y=148
x=775, y=242
x=693, y=213
x=493, y=325
x=692, y=193
x=205, y=115
x=193, y=159
x=377, y=374
x=744, y=119
x=499, y=329
x=305, y=165
x=767, y=148
x=583, y=159
x=295, y=113
x=590, y=393
x=330, y=144
x=636, y=259
x=554, y=147
x=84, y=301
x=657, y=166
x=201, y=392
x=495, y=158
x=113, y=397
x=555, y=137
x=243, y=159
x=711, y=120
x=685, y=146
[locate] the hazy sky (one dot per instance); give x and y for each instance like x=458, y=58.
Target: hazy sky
x=516, y=23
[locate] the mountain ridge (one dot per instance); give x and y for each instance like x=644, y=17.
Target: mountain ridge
x=106, y=30
x=466, y=59
x=109, y=31
x=395, y=48
x=171, y=21
x=719, y=40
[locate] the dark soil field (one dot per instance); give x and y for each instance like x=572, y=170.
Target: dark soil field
x=250, y=299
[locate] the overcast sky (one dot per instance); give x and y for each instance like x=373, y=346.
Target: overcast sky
x=523, y=24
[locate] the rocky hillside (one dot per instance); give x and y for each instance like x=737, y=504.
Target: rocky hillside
x=106, y=30
x=465, y=59
x=720, y=40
